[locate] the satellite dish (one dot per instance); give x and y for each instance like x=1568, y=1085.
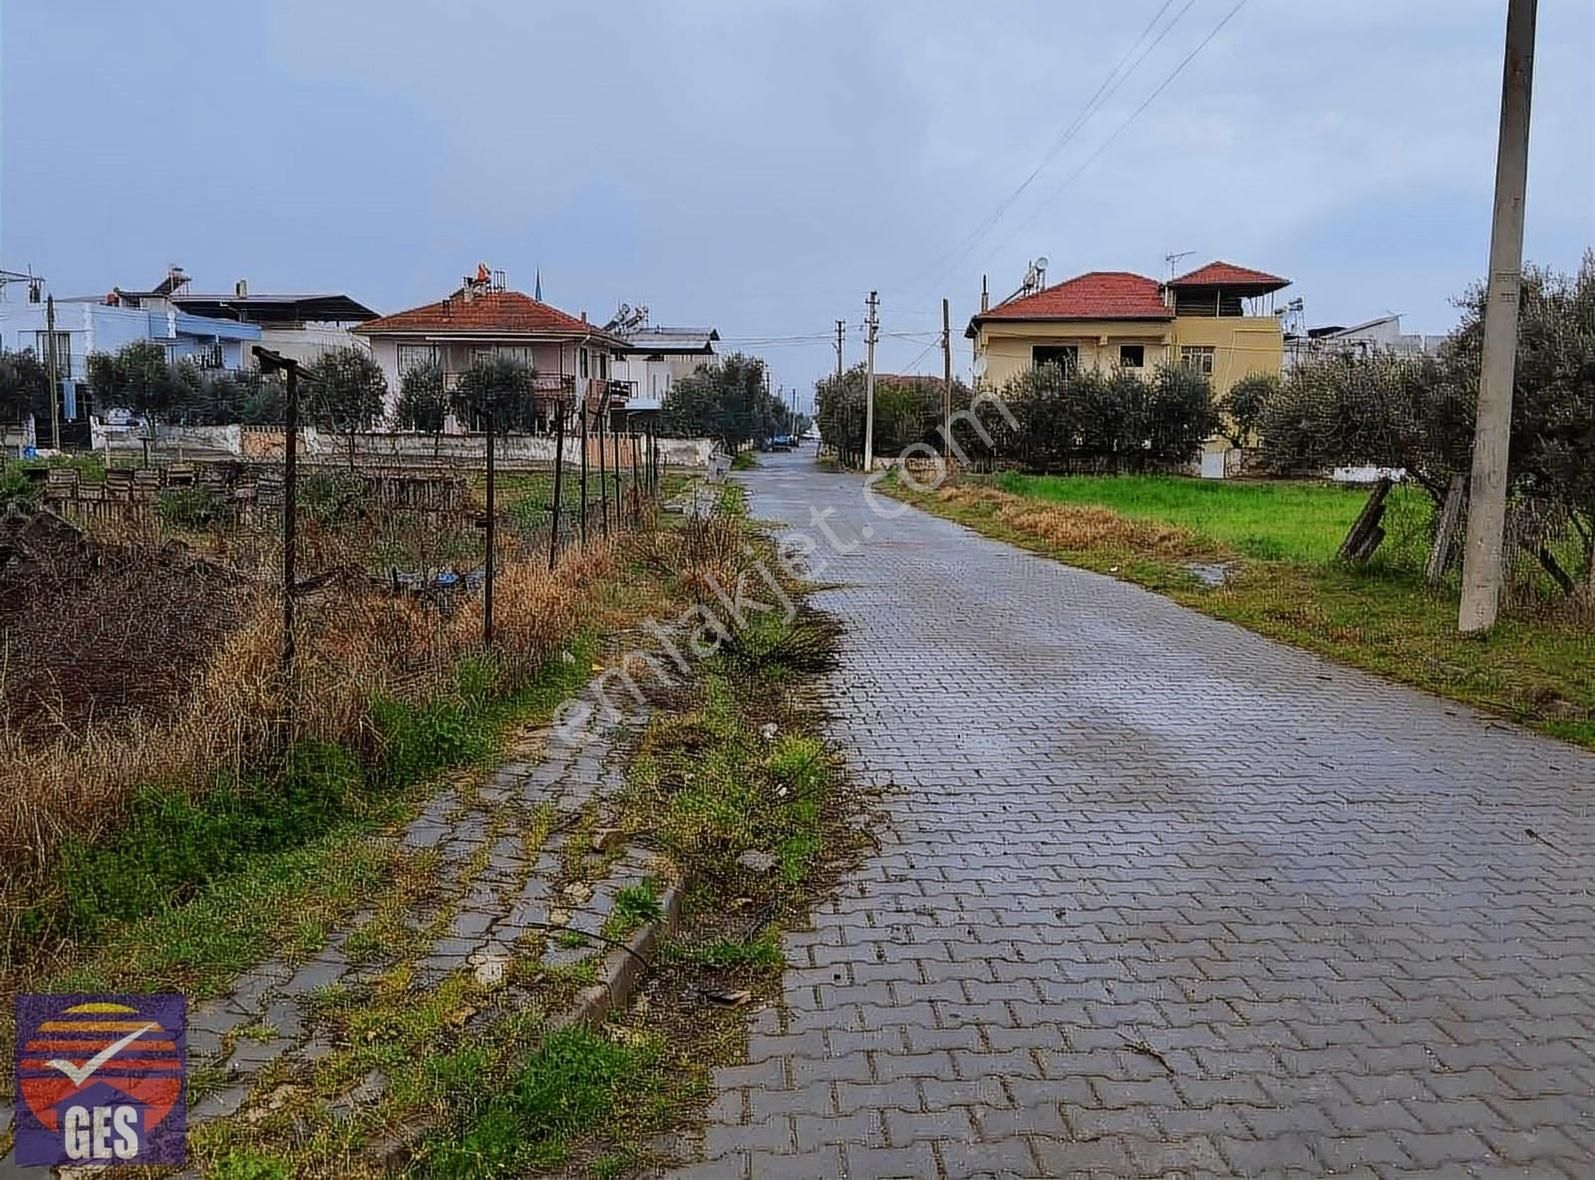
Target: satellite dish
x=1041, y=263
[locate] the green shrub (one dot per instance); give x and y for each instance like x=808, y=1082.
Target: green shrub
x=635, y=905
x=569, y=1086
x=189, y=508
x=16, y=488
x=172, y=843
x=333, y=499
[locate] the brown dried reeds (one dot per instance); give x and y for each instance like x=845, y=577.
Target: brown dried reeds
x=1076, y=527
x=355, y=643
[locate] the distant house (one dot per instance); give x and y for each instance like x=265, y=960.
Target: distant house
x=1214, y=319
x=302, y=327
x=569, y=357
x=1383, y=334
x=652, y=359
x=107, y=323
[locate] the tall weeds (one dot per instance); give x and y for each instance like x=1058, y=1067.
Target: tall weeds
x=356, y=646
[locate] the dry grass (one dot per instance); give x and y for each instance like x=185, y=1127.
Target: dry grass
x=355, y=644
x=1077, y=527
x=704, y=557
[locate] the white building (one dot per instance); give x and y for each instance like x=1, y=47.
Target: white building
x=301, y=327
x=1378, y=335
x=653, y=359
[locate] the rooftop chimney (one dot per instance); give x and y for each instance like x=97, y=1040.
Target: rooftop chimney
x=985, y=296
x=241, y=288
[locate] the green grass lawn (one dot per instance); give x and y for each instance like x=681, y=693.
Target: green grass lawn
x=1273, y=521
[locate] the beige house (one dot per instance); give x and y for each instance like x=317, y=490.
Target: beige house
x=1217, y=318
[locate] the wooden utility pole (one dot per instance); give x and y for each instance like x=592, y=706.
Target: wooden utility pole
x=1482, y=567
x=872, y=326
x=946, y=387
x=50, y=365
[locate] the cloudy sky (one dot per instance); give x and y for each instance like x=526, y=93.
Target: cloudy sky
x=760, y=166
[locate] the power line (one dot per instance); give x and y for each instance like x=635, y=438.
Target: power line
x=1122, y=127
x=1104, y=91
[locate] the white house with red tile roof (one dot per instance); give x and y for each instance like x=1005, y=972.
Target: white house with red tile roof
x=569, y=356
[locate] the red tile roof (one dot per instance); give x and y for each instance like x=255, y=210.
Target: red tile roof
x=490, y=313
x=1098, y=295
x=1227, y=274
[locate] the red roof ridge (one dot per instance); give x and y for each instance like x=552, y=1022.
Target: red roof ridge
x=504, y=312
x=1094, y=295
x=1219, y=272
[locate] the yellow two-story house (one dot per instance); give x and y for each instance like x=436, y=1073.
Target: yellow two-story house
x=1217, y=319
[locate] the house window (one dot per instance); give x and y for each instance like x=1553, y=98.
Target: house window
x=603, y=366
x=63, y=351
x=416, y=356
x=521, y=354
x=583, y=362
x=1132, y=356
x=1065, y=356
x=1198, y=357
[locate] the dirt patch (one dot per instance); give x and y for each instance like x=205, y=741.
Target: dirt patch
x=95, y=632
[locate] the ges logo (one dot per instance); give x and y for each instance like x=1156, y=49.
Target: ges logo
x=101, y=1080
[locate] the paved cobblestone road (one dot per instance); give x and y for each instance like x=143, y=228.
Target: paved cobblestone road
x=1157, y=894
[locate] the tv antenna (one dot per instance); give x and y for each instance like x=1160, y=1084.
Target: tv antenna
x=35, y=283
x=1173, y=260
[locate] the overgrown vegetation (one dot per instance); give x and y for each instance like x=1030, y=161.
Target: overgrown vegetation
x=908, y=410
x=1052, y=418
x=729, y=400
x=1278, y=520
x=1417, y=414
x=730, y=778
x=144, y=378
x=569, y=1086
x=402, y=688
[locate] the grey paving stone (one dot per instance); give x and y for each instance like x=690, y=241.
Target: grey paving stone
x=1112, y=822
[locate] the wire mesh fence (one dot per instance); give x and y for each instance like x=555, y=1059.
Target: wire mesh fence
x=144, y=610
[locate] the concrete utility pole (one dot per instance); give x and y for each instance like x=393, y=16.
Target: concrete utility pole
x=946, y=385
x=841, y=334
x=872, y=329
x=50, y=365
x=1483, y=560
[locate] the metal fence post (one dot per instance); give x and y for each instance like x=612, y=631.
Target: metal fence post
x=290, y=506
x=584, y=474
x=559, y=484
x=620, y=499
x=603, y=481
x=487, y=584
x=636, y=482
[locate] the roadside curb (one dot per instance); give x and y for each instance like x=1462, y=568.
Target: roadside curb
x=620, y=971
